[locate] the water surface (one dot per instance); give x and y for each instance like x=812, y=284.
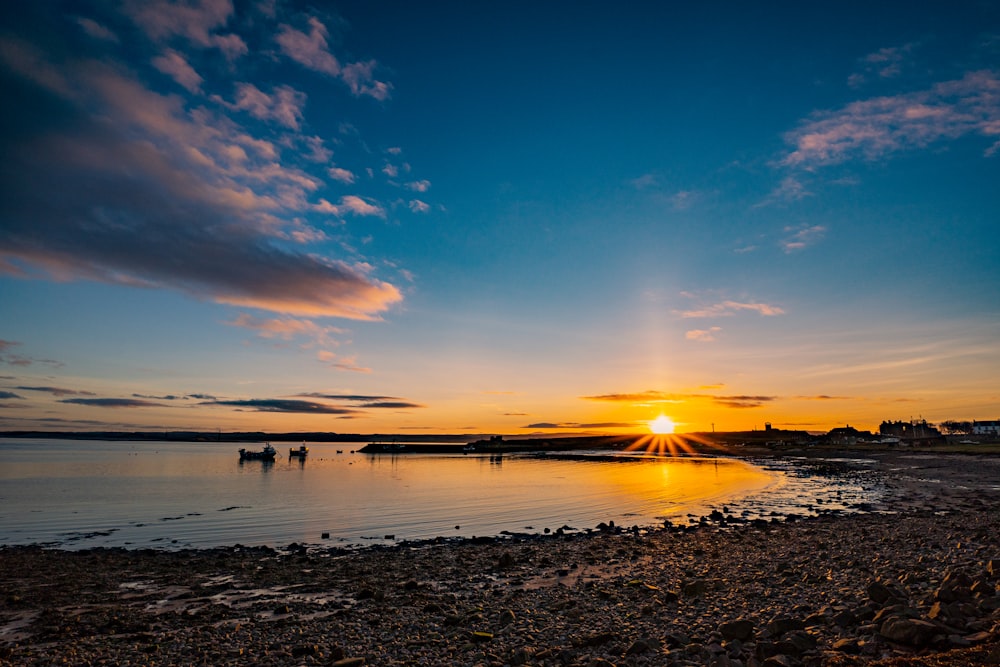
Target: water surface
x=80, y=494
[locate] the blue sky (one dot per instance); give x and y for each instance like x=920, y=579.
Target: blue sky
x=514, y=217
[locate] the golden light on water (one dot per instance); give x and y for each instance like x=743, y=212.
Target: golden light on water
x=662, y=425
x=663, y=441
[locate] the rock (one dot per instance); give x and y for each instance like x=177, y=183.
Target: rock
x=521, y=656
x=993, y=568
x=845, y=618
x=348, y=662
x=304, y=650
x=506, y=618
x=506, y=561
x=847, y=645
x=598, y=639
x=693, y=589
x=780, y=626
x=881, y=593
x=644, y=645
x=740, y=629
x=909, y=631
x=779, y=660
x=600, y=662
x=983, y=589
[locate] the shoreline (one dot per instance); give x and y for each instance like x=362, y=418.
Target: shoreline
x=917, y=577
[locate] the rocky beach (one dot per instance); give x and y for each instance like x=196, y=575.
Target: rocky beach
x=912, y=580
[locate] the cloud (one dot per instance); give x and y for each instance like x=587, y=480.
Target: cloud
x=58, y=391
x=168, y=397
x=730, y=308
x=284, y=405
x=790, y=189
x=342, y=175
x=312, y=51
x=737, y=401
x=879, y=127
x=560, y=425
x=175, y=66
x=886, y=63
x=113, y=402
x=645, y=181
x=418, y=206
x=284, y=106
x=154, y=194
x=11, y=359
x=802, y=237
x=365, y=401
x=286, y=328
x=196, y=21
x=419, y=186
x=650, y=396
x=703, y=335
x=96, y=30
x=351, y=204
x=9, y=394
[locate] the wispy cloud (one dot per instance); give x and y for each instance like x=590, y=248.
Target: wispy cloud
x=342, y=175
x=287, y=328
x=876, y=128
x=113, y=402
x=578, y=425
x=351, y=204
x=58, y=391
x=198, y=22
x=418, y=206
x=176, y=67
x=284, y=405
x=886, y=63
x=730, y=308
x=654, y=397
x=802, y=237
x=284, y=105
x=14, y=359
x=6, y=395
x=703, y=335
x=311, y=50
x=365, y=401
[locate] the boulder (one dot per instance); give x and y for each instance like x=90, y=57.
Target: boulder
x=780, y=626
x=909, y=631
x=881, y=593
x=740, y=629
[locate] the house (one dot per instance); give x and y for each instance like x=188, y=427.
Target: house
x=916, y=429
x=986, y=427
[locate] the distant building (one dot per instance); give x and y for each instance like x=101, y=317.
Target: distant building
x=914, y=431
x=986, y=427
x=848, y=435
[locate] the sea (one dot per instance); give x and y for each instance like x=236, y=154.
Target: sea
x=76, y=494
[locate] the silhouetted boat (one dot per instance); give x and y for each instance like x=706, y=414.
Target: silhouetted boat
x=267, y=454
x=301, y=452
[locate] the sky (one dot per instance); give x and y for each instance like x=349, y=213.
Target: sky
x=508, y=217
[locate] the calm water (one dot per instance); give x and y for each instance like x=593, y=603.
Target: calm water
x=79, y=494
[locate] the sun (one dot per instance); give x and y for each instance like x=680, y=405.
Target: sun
x=661, y=425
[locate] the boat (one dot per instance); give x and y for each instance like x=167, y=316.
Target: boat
x=301, y=452
x=267, y=454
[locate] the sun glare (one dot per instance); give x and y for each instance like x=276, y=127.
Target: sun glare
x=661, y=425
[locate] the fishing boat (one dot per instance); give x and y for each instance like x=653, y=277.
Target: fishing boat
x=267, y=454
x=301, y=452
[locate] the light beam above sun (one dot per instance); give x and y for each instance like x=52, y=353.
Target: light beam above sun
x=661, y=425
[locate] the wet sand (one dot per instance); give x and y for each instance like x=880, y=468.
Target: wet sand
x=913, y=582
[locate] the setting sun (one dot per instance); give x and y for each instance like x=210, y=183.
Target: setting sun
x=661, y=425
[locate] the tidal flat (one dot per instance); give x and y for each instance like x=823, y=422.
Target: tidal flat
x=914, y=581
